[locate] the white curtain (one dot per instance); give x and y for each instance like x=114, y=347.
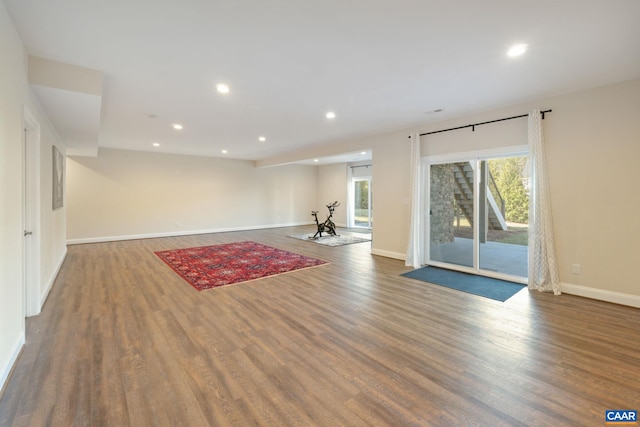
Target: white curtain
x=416, y=236
x=350, y=207
x=543, y=270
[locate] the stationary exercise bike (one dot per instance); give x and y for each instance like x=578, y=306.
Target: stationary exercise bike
x=327, y=226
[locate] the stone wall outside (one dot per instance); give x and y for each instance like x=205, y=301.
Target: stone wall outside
x=442, y=203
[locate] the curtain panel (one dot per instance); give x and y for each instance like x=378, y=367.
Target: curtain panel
x=415, y=249
x=543, y=270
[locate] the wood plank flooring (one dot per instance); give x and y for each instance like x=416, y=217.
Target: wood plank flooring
x=124, y=341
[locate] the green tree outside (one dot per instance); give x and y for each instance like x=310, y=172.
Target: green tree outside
x=508, y=175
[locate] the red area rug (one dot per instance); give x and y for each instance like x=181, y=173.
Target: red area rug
x=209, y=267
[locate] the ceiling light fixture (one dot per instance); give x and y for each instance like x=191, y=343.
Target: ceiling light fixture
x=222, y=88
x=224, y=151
x=517, y=50
x=364, y=153
x=262, y=139
x=177, y=126
x=331, y=115
x=315, y=160
x=156, y=144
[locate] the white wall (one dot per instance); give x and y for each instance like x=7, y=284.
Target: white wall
x=332, y=185
x=127, y=194
x=593, y=154
x=12, y=90
x=391, y=203
x=15, y=95
x=53, y=224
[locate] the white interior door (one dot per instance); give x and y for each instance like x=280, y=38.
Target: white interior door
x=31, y=215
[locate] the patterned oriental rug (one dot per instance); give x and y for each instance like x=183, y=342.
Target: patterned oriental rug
x=209, y=267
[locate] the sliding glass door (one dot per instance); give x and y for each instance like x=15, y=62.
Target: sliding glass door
x=478, y=216
x=362, y=213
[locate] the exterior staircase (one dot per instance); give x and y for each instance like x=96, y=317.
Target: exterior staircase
x=464, y=177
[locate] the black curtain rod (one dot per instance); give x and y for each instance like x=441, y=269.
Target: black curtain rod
x=473, y=126
x=359, y=166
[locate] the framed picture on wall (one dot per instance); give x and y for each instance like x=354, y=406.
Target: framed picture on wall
x=58, y=179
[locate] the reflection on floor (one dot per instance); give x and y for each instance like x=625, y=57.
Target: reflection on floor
x=501, y=257
x=360, y=230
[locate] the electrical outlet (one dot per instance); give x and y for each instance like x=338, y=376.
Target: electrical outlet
x=576, y=269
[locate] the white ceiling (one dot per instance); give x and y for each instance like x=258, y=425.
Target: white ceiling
x=380, y=65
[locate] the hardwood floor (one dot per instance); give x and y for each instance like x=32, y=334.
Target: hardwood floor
x=124, y=341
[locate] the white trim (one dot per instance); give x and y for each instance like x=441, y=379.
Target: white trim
x=601, y=294
x=6, y=369
x=52, y=279
x=513, y=150
x=388, y=254
x=181, y=233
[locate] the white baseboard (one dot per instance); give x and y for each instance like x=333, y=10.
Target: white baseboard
x=52, y=279
x=601, y=294
x=180, y=233
x=6, y=369
x=388, y=254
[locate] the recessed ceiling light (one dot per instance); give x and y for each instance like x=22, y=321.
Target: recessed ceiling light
x=331, y=115
x=262, y=139
x=156, y=144
x=364, y=153
x=222, y=88
x=315, y=160
x=517, y=50
x=224, y=151
x=177, y=126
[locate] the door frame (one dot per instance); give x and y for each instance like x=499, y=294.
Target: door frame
x=31, y=214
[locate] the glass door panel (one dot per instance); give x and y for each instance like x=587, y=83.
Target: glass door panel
x=362, y=202
x=504, y=216
x=452, y=211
